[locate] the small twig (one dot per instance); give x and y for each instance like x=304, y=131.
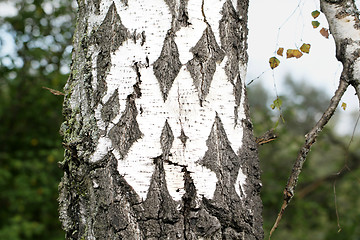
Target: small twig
x=55, y=92
x=252, y=80
x=336, y=209
x=310, y=139
x=267, y=137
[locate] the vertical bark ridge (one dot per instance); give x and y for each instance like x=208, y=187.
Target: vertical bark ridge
x=203, y=65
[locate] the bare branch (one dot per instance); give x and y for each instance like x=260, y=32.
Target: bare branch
x=53, y=91
x=267, y=137
x=343, y=18
x=310, y=139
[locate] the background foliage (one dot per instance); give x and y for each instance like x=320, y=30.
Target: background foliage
x=312, y=212
x=30, y=117
x=30, y=145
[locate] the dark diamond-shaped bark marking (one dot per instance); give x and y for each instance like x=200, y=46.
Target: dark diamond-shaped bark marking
x=160, y=206
x=220, y=157
x=183, y=138
x=126, y=131
x=226, y=205
x=109, y=37
x=202, y=67
x=196, y=218
x=167, y=66
x=112, y=33
x=166, y=139
x=233, y=35
x=110, y=108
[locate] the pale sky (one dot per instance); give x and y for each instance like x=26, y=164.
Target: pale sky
x=287, y=24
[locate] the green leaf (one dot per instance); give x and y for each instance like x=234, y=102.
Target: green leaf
x=315, y=24
x=315, y=14
x=276, y=104
x=274, y=62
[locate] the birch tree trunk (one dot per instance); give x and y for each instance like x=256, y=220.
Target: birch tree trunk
x=158, y=141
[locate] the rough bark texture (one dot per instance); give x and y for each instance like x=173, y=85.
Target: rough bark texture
x=157, y=137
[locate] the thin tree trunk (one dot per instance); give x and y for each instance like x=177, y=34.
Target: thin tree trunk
x=158, y=141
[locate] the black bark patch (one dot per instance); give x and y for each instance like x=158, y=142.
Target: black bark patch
x=166, y=139
x=226, y=205
x=112, y=33
x=233, y=34
x=242, y=7
x=183, y=16
x=111, y=108
x=125, y=2
x=197, y=221
x=103, y=64
x=167, y=66
x=221, y=158
x=109, y=37
x=203, y=65
x=136, y=86
x=238, y=93
x=97, y=6
x=138, y=36
x=180, y=17
x=126, y=131
x=161, y=218
x=110, y=201
x=183, y=138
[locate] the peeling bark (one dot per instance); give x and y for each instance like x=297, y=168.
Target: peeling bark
x=157, y=136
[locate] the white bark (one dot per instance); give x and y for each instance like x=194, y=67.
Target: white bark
x=157, y=123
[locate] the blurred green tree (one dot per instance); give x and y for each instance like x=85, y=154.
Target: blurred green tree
x=312, y=213
x=30, y=116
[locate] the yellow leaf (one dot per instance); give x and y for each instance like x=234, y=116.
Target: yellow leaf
x=343, y=105
x=290, y=53
x=305, y=48
x=280, y=51
x=274, y=62
x=34, y=142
